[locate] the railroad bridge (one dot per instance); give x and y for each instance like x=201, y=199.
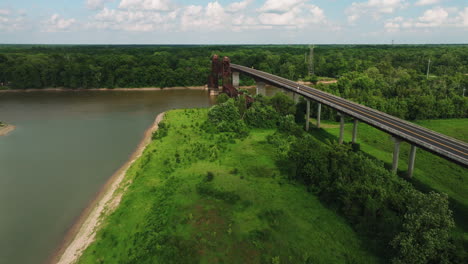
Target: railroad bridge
x=400, y=130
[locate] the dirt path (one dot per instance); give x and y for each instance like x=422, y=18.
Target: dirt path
x=84, y=230
x=5, y=130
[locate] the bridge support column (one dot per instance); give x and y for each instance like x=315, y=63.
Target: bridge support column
x=307, y=114
x=261, y=88
x=341, y=128
x=412, y=157
x=319, y=110
x=355, y=131
x=235, y=80
x=396, y=153
x=295, y=98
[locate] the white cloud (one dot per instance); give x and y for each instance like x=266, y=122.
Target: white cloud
x=280, y=6
x=55, y=23
x=432, y=18
x=437, y=17
x=11, y=20
x=131, y=20
x=208, y=18
x=238, y=6
x=96, y=4
x=462, y=18
x=153, y=5
x=426, y=2
x=373, y=8
x=298, y=16
x=5, y=12
x=211, y=17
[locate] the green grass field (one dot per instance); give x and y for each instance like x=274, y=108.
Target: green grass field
x=431, y=171
x=173, y=212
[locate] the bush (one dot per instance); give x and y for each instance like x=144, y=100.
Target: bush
x=261, y=116
x=222, y=98
x=163, y=128
x=289, y=126
x=209, y=176
x=225, y=117
x=426, y=229
x=282, y=104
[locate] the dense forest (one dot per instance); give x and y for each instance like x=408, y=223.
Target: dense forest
x=393, y=79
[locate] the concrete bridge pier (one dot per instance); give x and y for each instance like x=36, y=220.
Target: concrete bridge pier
x=235, y=80
x=295, y=98
x=412, y=157
x=319, y=111
x=355, y=124
x=340, y=141
x=307, y=114
x=261, y=88
x=396, y=153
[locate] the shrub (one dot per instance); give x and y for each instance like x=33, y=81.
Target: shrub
x=162, y=131
x=225, y=117
x=289, y=126
x=424, y=237
x=282, y=104
x=209, y=176
x=222, y=98
x=261, y=116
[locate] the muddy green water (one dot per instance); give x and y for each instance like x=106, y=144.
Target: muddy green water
x=65, y=146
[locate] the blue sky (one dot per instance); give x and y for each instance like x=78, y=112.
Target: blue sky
x=233, y=21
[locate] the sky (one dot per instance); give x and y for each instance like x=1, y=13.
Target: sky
x=233, y=21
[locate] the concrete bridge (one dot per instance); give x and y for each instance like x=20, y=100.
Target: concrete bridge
x=449, y=148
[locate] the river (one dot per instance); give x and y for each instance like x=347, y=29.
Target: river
x=65, y=147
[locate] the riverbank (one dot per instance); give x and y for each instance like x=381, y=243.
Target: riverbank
x=84, y=230
x=200, y=88
x=5, y=130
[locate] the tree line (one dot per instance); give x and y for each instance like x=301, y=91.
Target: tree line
x=392, y=79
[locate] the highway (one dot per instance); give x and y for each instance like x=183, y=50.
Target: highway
x=439, y=144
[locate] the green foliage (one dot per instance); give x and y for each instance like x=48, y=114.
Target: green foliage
x=288, y=125
x=172, y=213
x=282, y=104
x=312, y=78
x=375, y=201
x=161, y=132
x=156, y=245
x=261, y=115
x=392, y=79
x=207, y=189
x=225, y=117
x=426, y=229
x=222, y=98
x=209, y=176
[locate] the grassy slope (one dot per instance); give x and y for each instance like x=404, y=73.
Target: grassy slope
x=431, y=171
x=273, y=220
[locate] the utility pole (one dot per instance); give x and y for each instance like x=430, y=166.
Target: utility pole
x=428, y=64
x=311, y=60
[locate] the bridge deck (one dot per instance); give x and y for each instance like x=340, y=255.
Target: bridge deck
x=439, y=144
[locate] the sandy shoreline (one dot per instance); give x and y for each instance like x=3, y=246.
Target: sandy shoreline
x=6, y=130
x=83, y=232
